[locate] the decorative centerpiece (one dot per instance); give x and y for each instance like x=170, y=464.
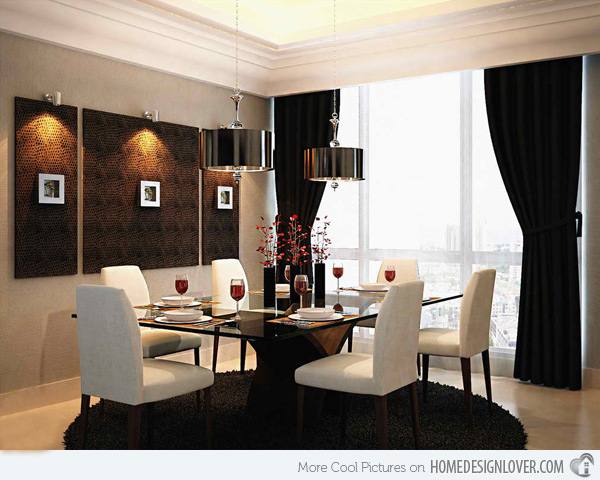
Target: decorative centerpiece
x=320, y=248
x=269, y=249
x=295, y=241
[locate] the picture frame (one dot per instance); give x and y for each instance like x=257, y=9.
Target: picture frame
x=225, y=198
x=51, y=188
x=149, y=193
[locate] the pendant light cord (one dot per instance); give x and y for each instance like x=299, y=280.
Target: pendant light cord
x=237, y=34
x=334, y=57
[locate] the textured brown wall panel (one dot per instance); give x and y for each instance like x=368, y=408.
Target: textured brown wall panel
x=220, y=228
x=45, y=234
x=119, y=152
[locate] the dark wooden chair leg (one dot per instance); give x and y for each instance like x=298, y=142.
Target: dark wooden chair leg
x=243, y=345
x=414, y=405
x=381, y=419
x=418, y=364
x=197, y=356
x=299, y=413
x=425, y=378
x=350, y=338
x=343, y=416
x=485, y=357
x=215, y=352
x=134, y=422
x=85, y=407
x=209, y=417
x=465, y=364
x=150, y=423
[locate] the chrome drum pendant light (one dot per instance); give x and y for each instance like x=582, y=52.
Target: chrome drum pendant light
x=235, y=148
x=334, y=163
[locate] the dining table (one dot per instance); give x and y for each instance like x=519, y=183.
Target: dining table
x=282, y=344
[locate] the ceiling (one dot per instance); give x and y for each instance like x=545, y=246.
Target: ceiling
x=287, y=46
x=281, y=22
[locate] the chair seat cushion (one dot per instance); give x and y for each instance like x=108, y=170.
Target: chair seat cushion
x=166, y=379
x=156, y=343
x=344, y=372
x=439, y=341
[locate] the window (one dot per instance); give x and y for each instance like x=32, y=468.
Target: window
x=433, y=192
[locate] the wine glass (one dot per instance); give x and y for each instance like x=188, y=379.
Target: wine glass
x=301, y=286
x=338, y=271
x=237, y=289
x=390, y=273
x=286, y=273
x=181, y=285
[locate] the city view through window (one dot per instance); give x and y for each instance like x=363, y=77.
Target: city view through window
x=433, y=192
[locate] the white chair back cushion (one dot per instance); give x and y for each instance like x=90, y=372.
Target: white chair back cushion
x=222, y=273
x=406, y=270
x=130, y=279
x=110, y=349
x=397, y=337
x=475, y=313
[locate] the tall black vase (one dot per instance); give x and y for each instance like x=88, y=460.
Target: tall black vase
x=294, y=297
x=269, y=287
x=319, y=285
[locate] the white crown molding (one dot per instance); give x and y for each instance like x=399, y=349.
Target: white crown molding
x=143, y=32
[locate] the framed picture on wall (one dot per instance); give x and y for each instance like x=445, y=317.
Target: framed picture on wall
x=225, y=198
x=149, y=194
x=51, y=188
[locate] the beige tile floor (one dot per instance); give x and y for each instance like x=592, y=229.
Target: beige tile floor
x=553, y=419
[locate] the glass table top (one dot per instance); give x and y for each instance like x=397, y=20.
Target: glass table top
x=259, y=323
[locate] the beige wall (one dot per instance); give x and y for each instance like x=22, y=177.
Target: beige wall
x=37, y=336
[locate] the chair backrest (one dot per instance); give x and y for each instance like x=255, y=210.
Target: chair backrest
x=406, y=270
x=130, y=279
x=475, y=313
x=397, y=337
x=110, y=348
x=222, y=273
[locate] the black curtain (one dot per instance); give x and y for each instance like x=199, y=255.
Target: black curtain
x=301, y=121
x=534, y=114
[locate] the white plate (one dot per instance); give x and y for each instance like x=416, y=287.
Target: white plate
x=374, y=287
x=282, y=288
x=308, y=313
x=188, y=305
x=183, y=314
x=202, y=319
x=176, y=300
x=335, y=316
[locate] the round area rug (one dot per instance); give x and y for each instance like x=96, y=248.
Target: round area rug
x=178, y=425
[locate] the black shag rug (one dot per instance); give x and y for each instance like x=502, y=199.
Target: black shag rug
x=178, y=425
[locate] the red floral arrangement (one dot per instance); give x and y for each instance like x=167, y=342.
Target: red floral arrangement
x=295, y=240
x=269, y=243
x=320, y=239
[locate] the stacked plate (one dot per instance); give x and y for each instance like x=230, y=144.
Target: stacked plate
x=374, y=287
x=184, y=316
x=326, y=314
x=282, y=288
x=177, y=301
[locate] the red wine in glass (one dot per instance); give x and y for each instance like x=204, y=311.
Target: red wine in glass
x=390, y=273
x=338, y=271
x=181, y=285
x=301, y=286
x=237, y=290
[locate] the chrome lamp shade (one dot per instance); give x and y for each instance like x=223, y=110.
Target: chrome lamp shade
x=237, y=149
x=333, y=164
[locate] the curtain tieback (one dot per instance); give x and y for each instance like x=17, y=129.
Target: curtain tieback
x=552, y=226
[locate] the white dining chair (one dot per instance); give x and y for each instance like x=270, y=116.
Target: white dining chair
x=155, y=342
x=112, y=365
x=222, y=273
x=389, y=368
x=406, y=271
x=471, y=338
